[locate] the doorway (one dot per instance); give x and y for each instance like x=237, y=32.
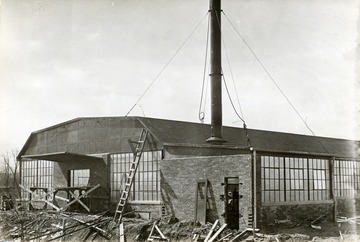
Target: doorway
x=232, y=202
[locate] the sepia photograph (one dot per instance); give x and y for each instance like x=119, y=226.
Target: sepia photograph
x=169, y=120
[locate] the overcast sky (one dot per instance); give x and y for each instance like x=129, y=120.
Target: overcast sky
x=65, y=59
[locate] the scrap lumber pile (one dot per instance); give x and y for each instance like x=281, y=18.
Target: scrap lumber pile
x=220, y=233
x=166, y=228
x=171, y=229
x=49, y=226
x=354, y=220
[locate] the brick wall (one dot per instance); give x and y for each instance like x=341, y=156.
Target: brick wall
x=179, y=178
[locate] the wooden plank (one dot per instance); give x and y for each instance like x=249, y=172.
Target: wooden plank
x=121, y=232
x=103, y=232
x=217, y=233
x=151, y=232
x=237, y=236
x=62, y=198
x=159, y=231
x=211, y=231
x=225, y=237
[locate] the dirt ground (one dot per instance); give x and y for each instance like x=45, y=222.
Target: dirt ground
x=44, y=226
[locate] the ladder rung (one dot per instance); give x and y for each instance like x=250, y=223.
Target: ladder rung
x=131, y=174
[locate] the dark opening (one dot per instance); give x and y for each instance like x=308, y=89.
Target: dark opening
x=232, y=202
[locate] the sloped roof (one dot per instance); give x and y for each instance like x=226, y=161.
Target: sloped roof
x=177, y=132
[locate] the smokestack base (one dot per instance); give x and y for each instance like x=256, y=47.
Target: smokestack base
x=215, y=140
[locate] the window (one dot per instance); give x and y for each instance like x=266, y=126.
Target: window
x=36, y=173
x=146, y=185
x=272, y=173
x=295, y=179
x=346, y=178
x=291, y=179
x=79, y=178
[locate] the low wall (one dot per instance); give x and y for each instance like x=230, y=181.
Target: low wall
x=296, y=214
x=348, y=207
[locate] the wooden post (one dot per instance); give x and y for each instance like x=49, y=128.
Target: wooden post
x=121, y=232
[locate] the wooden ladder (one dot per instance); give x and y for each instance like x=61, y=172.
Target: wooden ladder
x=130, y=178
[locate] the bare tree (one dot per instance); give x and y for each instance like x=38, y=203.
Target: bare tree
x=10, y=175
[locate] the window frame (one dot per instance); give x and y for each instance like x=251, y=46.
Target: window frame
x=146, y=186
x=295, y=179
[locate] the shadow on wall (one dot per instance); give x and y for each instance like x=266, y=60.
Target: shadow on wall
x=211, y=209
x=167, y=194
x=151, y=142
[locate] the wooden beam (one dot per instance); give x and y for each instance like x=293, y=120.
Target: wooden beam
x=79, y=197
x=79, y=201
x=211, y=231
x=103, y=232
x=217, y=233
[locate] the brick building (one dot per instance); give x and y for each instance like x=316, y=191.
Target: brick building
x=278, y=176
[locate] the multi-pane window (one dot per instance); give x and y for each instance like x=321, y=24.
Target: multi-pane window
x=36, y=173
x=346, y=178
x=319, y=179
x=295, y=179
x=146, y=185
x=272, y=174
x=286, y=179
x=79, y=178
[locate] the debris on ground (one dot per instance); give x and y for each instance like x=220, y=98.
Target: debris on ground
x=354, y=220
x=48, y=226
x=21, y=225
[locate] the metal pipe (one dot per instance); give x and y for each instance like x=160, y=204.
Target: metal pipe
x=215, y=72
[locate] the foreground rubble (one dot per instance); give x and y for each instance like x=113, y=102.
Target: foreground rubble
x=53, y=226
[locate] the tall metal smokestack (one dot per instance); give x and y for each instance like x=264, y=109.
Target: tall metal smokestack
x=215, y=72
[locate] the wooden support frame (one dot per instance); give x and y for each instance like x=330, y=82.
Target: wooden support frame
x=50, y=193
x=153, y=237
x=40, y=198
x=77, y=199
